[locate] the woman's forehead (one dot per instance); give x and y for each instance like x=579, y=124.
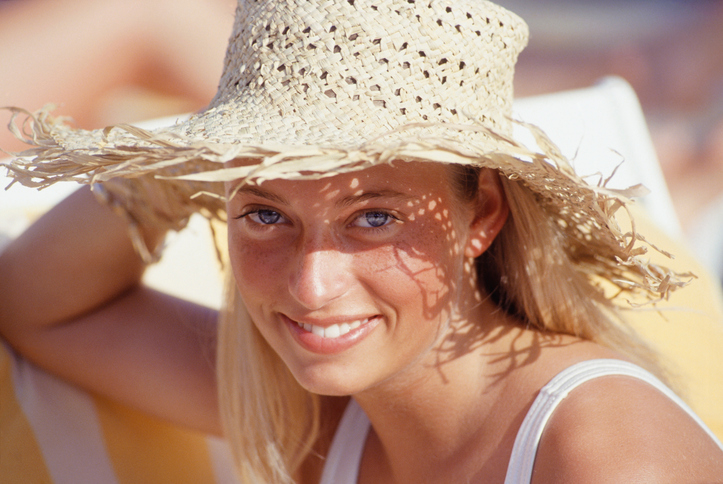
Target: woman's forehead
x=397, y=180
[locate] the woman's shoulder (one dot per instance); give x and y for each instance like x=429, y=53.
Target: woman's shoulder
x=613, y=427
x=622, y=428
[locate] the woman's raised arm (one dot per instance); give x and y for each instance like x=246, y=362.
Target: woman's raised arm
x=72, y=303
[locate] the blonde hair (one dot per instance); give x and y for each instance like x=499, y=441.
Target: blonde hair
x=269, y=420
x=529, y=272
x=272, y=423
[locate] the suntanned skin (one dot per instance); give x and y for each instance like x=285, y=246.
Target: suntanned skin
x=71, y=302
x=94, y=325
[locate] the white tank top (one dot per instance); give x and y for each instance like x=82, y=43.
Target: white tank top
x=344, y=458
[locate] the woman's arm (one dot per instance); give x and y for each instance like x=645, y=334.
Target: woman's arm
x=72, y=303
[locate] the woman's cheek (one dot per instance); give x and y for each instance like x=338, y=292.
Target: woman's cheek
x=253, y=263
x=410, y=277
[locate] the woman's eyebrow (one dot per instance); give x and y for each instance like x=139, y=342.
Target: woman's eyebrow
x=371, y=195
x=341, y=203
x=261, y=193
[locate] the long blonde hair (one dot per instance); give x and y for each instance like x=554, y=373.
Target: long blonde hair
x=271, y=422
x=528, y=272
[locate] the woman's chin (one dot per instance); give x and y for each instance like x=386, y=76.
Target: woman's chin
x=329, y=380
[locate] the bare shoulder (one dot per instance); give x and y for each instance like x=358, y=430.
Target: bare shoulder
x=621, y=429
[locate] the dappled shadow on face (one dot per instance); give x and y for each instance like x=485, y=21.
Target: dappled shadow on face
x=430, y=256
x=423, y=249
x=502, y=338
x=415, y=263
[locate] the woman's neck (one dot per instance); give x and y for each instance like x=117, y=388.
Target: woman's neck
x=447, y=412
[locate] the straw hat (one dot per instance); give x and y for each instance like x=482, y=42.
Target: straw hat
x=313, y=88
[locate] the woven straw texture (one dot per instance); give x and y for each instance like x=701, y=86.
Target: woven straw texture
x=313, y=88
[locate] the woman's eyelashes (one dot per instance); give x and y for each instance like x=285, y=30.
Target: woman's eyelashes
x=266, y=217
x=374, y=219
x=262, y=216
x=368, y=219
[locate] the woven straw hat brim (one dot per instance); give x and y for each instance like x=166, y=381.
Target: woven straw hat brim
x=189, y=180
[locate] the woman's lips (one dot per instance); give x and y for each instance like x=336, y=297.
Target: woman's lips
x=332, y=338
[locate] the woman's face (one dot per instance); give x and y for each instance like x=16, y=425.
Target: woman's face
x=353, y=279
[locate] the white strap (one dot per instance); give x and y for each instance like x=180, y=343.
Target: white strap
x=519, y=469
x=64, y=423
x=345, y=454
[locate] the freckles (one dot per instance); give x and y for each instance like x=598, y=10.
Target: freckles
x=438, y=249
x=421, y=275
x=253, y=266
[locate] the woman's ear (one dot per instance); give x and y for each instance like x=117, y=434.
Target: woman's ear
x=490, y=214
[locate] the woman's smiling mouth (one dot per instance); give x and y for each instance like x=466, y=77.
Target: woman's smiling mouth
x=331, y=338
x=333, y=331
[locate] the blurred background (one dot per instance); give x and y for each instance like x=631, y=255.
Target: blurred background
x=109, y=61
x=671, y=52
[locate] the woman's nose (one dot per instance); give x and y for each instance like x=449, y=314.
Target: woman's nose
x=321, y=276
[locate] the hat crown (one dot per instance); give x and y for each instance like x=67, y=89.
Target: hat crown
x=316, y=68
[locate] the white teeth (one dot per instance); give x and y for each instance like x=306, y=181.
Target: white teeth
x=333, y=331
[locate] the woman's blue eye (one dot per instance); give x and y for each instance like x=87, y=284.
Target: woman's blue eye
x=265, y=217
x=374, y=219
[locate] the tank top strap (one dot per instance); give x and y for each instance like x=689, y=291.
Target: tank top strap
x=347, y=447
x=522, y=460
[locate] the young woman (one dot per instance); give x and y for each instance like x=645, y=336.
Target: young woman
x=412, y=293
